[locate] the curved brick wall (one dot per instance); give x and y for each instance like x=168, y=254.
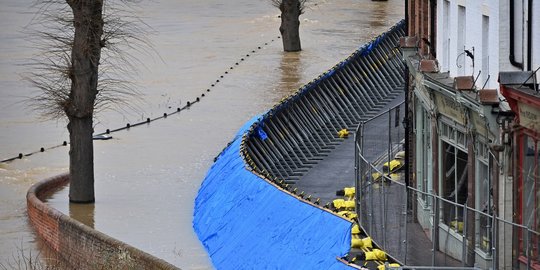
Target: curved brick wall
x=78, y=244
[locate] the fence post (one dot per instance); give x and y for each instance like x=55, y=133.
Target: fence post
x=528, y=240
x=434, y=227
x=370, y=188
x=405, y=216
x=489, y=228
x=463, y=235
x=362, y=124
x=494, y=241
x=389, y=158
x=389, y=138
x=382, y=203
x=356, y=176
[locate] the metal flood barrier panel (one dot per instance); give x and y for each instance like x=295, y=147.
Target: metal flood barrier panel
x=246, y=214
x=298, y=132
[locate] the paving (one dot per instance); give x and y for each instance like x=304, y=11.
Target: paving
x=336, y=170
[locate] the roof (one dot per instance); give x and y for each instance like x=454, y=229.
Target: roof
x=523, y=81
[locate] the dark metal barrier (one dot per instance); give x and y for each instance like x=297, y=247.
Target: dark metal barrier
x=304, y=127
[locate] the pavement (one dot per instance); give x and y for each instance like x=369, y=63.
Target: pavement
x=336, y=170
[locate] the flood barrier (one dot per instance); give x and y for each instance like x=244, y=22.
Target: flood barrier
x=301, y=130
x=247, y=213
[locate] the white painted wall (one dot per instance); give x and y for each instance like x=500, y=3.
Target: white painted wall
x=458, y=30
x=450, y=44
x=504, y=40
x=493, y=12
x=536, y=38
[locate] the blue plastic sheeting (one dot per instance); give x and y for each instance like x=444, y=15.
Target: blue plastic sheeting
x=246, y=223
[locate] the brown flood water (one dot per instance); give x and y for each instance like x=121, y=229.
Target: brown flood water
x=147, y=177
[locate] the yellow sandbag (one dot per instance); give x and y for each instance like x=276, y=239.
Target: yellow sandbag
x=341, y=203
x=392, y=166
x=457, y=225
x=355, y=229
x=349, y=191
x=376, y=255
x=348, y=214
x=344, y=133
x=361, y=243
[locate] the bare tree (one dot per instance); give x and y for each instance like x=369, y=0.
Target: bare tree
x=290, y=23
x=81, y=68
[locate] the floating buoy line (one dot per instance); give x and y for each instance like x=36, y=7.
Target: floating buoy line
x=106, y=135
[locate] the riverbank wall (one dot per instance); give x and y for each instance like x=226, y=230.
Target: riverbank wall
x=78, y=245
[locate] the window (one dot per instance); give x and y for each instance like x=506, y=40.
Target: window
x=452, y=134
x=485, y=49
x=446, y=36
x=423, y=151
x=453, y=185
x=530, y=193
x=461, y=58
x=484, y=200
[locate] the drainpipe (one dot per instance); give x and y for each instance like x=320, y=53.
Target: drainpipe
x=407, y=17
x=529, y=34
x=407, y=123
x=512, y=57
x=432, y=15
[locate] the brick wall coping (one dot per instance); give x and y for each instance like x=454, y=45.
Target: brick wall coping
x=79, y=245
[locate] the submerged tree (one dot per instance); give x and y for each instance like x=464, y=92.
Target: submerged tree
x=290, y=23
x=76, y=73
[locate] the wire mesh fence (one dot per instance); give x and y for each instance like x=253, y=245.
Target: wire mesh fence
x=382, y=204
x=423, y=230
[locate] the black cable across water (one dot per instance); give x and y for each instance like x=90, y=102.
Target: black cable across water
x=149, y=120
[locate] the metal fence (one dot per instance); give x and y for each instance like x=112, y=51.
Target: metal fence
x=381, y=204
x=423, y=230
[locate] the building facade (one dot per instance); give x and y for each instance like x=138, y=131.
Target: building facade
x=474, y=126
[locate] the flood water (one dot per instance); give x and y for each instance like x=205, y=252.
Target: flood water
x=147, y=177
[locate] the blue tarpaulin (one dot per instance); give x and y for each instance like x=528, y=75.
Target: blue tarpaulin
x=261, y=133
x=245, y=222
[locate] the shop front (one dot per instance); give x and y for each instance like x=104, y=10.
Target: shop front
x=454, y=169
x=524, y=99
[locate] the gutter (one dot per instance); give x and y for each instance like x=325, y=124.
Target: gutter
x=407, y=17
x=432, y=35
x=512, y=57
x=529, y=34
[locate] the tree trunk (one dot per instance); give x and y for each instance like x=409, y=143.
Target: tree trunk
x=85, y=56
x=81, y=160
x=290, y=24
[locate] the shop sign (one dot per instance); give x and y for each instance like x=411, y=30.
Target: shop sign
x=529, y=116
x=450, y=108
x=479, y=123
